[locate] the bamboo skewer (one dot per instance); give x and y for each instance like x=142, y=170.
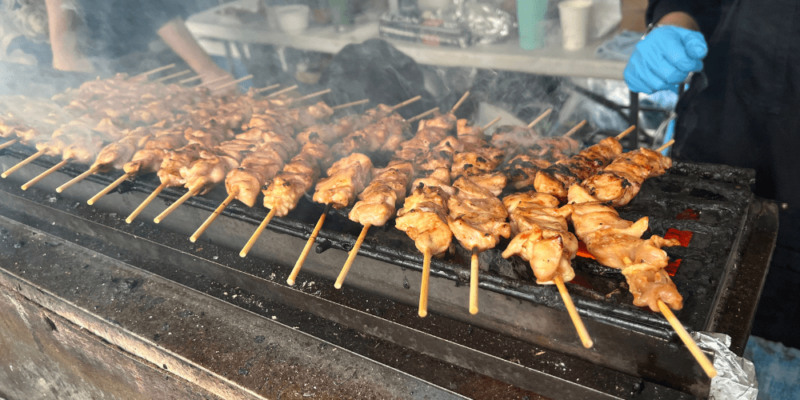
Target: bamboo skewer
x=218, y=80
x=540, y=118
x=108, y=189
x=175, y=75
x=44, y=174
x=665, y=146
x=352, y=103
x=22, y=164
x=351, y=256
x=698, y=354
x=189, y=79
x=307, y=248
x=405, y=103
x=626, y=132
x=145, y=203
x=575, y=129
x=312, y=95
x=268, y=88
x=573, y=313
x=257, y=233
x=226, y=84
x=154, y=70
x=423, y=115
x=77, y=179
x=282, y=91
x=459, y=102
x=213, y=216
x=492, y=122
x=8, y=144
x=175, y=205
x=423, y=288
x=473, y=282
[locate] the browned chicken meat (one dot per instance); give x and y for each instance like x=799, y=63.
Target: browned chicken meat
x=621, y=180
x=617, y=243
x=541, y=235
x=476, y=217
x=298, y=176
x=150, y=157
x=307, y=116
x=115, y=155
x=557, y=178
x=378, y=202
x=346, y=178
x=260, y=165
x=174, y=161
x=424, y=219
x=206, y=172
x=385, y=134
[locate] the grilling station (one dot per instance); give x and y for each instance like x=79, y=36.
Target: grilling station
x=256, y=304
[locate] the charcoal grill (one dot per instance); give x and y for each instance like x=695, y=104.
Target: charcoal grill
x=522, y=336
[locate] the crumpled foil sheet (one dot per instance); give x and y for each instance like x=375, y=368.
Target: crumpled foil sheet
x=736, y=376
x=487, y=23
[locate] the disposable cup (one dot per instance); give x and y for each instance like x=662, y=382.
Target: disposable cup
x=530, y=16
x=574, y=22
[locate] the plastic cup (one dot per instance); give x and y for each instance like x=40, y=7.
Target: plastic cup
x=574, y=22
x=530, y=17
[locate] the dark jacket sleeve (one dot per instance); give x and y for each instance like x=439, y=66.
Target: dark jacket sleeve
x=705, y=12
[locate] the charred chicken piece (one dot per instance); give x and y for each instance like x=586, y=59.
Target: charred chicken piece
x=206, y=172
x=476, y=217
x=150, y=157
x=621, y=180
x=617, y=243
x=378, y=202
x=175, y=160
x=115, y=155
x=346, y=178
x=557, y=178
x=385, y=134
x=424, y=219
x=298, y=176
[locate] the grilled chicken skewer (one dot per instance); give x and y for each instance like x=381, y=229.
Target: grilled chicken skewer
x=284, y=192
x=557, y=178
x=347, y=178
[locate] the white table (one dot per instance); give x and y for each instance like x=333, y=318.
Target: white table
x=211, y=25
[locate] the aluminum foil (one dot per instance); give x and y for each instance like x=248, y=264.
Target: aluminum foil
x=736, y=376
x=487, y=23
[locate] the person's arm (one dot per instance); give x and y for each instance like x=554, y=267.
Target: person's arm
x=63, y=40
x=181, y=41
x=696, y=15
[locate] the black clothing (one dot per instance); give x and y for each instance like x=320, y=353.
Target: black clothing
x=744, y=110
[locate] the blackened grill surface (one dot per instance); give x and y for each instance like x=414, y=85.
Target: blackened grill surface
x=721, y=206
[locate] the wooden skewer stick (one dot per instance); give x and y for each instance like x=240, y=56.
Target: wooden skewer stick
x=352, y=103
x=312, y=95
x=575, y=129
x=351, y=257
x=665, y=146
x=108, y=189
x=44, y=174
x=145, y=203
x=573, y=313
x=626, y=132
x=307, y=249
x=8, y=144
x=282, y=91
x=423, y=288
x=175, y=205
x=22, y=164
x=189, y=79
x=698, y=354
x=213, y=216
x=459, y=102
x=154, y=70
x=218, y=80
x=540, y=117
x=473, y=282
x=268, y=88
x=242, y=79
x=175, y=75
x=492, y=122
x=405, y=103
x=256, y=234
x=77, y=179
x=423, y=115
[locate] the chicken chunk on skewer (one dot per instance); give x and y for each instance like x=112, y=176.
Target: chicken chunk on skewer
x=476, y=217
x=378, y=202
x=621, y=180
x=346, y=178
x=557, y=178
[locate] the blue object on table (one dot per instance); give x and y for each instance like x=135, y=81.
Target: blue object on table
x=619, y=47
x=664, y=59
x=777, y=368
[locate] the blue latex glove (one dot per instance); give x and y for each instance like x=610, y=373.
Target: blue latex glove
x=664, y=59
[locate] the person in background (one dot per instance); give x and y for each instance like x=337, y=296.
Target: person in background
x=114, y=34
x=742, y=108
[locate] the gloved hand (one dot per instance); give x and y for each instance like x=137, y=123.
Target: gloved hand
x=664, y=59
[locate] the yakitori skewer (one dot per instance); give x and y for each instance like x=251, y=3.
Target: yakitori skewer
x=108, y=189
x=698, y=354
x=311, y=239
x=78, y=178
x=22, y=163
x=8, y=144
x=191, y=78
x=226, y=84
x=540, y=118
x=282, y=91
x=351, y=104
x=146, y=202
x=312, y=95
x=170, y=76
x=176, y=204
x=44, y=174
x=268, y=88
x=154, y=70
x=216, y=81
x=291, y=203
